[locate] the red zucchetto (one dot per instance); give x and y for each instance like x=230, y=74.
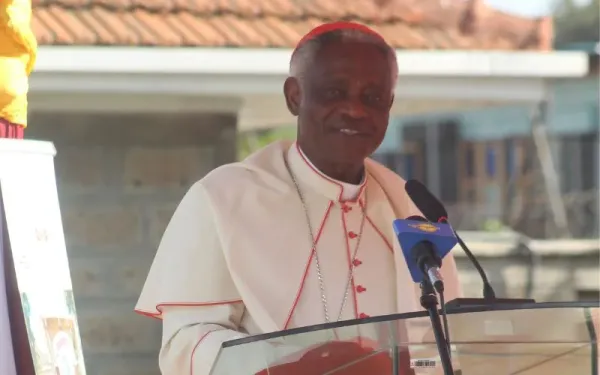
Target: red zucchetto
x=335, y=26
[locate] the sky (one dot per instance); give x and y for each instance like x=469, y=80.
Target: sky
x=532, y=8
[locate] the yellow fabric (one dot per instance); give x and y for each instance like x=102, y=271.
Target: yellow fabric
x=18, y=49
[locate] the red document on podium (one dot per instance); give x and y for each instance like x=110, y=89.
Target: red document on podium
x=340, y=358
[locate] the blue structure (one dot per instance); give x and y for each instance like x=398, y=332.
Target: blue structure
x=486, y=157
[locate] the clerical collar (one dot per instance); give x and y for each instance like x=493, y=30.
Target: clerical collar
x=311, y=175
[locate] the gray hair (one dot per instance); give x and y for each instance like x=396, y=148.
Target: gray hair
x=305, y=54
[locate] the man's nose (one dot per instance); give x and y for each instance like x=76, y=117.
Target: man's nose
x=354, y=108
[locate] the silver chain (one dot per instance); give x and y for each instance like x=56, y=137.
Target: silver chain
x=313, y=240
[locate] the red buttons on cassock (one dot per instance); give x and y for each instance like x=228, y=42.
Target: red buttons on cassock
x=352, y=235
x=360, y=289
x=363, y=316
x=346, y=208
x=356, y=262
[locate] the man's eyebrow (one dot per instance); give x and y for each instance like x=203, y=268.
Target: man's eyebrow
x=331, y=79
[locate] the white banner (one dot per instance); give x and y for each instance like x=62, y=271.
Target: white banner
x=7, y=357
x=34, y=224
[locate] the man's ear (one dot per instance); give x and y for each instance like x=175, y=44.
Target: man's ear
x=291, y=91
x=391, y=102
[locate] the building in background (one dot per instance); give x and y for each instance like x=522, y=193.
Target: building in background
x=484, y=163
x=488, y=160
x=143, y=98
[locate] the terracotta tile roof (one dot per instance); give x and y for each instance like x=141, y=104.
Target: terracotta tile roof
x=410, y=24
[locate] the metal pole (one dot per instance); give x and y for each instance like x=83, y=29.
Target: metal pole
x=551, y=181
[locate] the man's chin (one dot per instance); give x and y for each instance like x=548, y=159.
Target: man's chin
x=351, y=157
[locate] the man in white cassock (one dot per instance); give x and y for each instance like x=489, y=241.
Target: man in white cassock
x=298, y=233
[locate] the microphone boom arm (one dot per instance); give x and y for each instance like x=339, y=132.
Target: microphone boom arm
x=489, y=296
x=488, y=291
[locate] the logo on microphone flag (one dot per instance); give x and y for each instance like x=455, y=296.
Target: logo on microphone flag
x=425, y=227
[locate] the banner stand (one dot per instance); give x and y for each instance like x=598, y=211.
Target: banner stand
x=39, y=311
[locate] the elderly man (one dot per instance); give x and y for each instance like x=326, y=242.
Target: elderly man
x=297, y=234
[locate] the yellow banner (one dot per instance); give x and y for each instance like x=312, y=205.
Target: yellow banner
x=18, y=49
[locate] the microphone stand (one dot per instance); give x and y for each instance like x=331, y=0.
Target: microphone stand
x=489, y=296
x=429, y=302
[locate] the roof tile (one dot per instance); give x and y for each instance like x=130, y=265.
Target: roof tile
x=115, y=24
x=414, y=24
x=42, y=32
x=102, y=31
x=160, y=30
x=197, y=6
x=74, y=25
x=54, y=21
x=188, y=37
x=146, y=36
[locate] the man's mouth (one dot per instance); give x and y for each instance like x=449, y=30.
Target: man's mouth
x=349, y=131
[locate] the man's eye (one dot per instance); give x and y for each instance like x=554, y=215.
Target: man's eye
x=333, y=92
x=373, y=98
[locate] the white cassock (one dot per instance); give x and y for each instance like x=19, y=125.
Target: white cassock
x=236, y=258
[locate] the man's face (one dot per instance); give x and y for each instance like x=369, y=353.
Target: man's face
x=343, y=102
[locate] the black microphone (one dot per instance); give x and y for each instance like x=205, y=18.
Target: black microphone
x=427, y=259
x=423, y=250
x=434, y=211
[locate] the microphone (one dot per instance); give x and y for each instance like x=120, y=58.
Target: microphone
x=424, y=244
x=434, y=211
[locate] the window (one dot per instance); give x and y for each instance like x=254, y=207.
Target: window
x=471, y=195
x=490, y=160
x=407, y=164
x=588, y=295
x=493, y=200
x=395, y=161
x=510, y=152
x=469, y=160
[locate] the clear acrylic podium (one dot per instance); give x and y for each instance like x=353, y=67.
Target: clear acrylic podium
x=528, y=339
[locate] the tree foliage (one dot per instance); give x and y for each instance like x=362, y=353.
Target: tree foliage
x=577, y=23
x=251, y=141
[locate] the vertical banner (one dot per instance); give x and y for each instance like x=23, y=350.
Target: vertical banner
x=7, y=352
x=34, y=227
